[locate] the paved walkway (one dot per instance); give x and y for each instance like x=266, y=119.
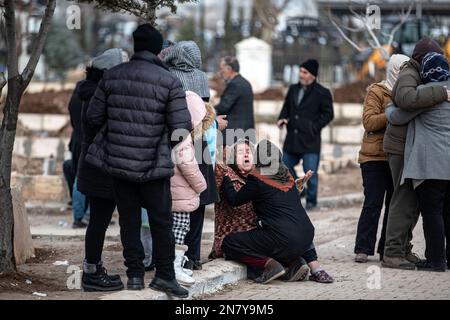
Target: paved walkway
x=353, y=281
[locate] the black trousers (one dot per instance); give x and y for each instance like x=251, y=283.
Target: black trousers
x=101, y=213
x=155, y=197
x=378, y=186
x=193, y=238
x=434, y=202
x=69, y=175
x=258, y=245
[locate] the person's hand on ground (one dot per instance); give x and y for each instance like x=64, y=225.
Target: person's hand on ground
x=282, y=122
x=301, y=182
x=222, y=122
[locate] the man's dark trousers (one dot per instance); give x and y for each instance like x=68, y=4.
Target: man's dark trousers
x=156, y=198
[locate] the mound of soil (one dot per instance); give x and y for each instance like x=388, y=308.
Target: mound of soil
x=53, y=102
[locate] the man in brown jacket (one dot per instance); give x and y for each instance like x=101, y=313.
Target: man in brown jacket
x=404, y=210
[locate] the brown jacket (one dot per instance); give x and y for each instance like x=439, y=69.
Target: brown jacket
x=374, y=122
x=406, y=96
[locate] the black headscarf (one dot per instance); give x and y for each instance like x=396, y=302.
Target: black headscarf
x=269, y=163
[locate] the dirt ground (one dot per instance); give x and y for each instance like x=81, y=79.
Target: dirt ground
x=40, y=275
x=344, y=181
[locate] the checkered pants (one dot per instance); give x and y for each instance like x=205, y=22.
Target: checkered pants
x=181, y=222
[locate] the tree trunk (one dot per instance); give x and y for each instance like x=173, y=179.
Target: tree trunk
x=17, y=84
x=7, y=137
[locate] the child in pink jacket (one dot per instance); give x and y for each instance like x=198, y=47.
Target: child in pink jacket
x=187, y=184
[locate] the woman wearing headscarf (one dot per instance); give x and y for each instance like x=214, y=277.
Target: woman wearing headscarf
x=404, y=209
x=376, y=174
x=427, y=164
x=95, y=184
x=243, y=218
x=283, y=233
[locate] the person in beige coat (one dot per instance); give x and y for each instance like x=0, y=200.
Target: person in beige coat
x=186, y=185
x=376, y=174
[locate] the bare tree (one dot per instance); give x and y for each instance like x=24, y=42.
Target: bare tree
x=143, y=9
x=17, y=83
x=364, y=26
x=267, y=12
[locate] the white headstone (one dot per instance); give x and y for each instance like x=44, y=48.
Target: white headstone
x=255, y=59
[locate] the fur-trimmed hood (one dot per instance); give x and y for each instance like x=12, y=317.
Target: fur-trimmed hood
x=208, y=120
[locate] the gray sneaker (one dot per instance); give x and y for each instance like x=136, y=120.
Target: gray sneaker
x=413, y=258
x=397, y=263
x=361, y=258
x=272, y=271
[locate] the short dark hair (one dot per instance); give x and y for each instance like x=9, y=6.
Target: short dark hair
x=232, y=62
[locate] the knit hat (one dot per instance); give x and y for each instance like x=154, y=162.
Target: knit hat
x=184, y=59
x=393, y=69
x=147, y=38
x=434, y=68
x=108, y=59
x=424, y=46
x=312, y=66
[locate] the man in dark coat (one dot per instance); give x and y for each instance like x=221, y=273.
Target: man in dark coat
x=308, y=108
x=79, y=205
x=236, y=103
x=139, y=105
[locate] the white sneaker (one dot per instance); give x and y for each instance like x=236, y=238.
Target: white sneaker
x=189, y=272
x=180, y=275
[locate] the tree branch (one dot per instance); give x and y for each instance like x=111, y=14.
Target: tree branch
x=351, y=42
x=28, y=72
x=403, y=19
x=10, y=26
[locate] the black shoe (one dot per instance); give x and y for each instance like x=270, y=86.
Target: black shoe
x=136, y=283
x=170, y=287
x=311, y=207
x=297, y=271
x=428, y=266
x=193, y=265
x=151, y=267
x=100, y=281
x=272, y=271
x=78, y=224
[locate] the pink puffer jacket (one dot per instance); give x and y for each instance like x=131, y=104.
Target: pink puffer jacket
x=188, y=182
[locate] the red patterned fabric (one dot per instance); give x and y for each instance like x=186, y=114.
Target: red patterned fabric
x=227, y=218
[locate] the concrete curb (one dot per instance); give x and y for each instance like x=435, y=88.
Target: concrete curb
x=214, y=276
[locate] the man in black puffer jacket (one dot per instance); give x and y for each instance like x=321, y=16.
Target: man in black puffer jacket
x=139, y=105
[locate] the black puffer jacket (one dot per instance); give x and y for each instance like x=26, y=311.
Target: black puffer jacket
x=91, y=181
x=139, y=105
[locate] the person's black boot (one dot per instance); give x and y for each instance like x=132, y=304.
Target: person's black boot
x=193, y=265
x=135, y=283
x=170, y=287
x=424, y=265
x=100, y=281
x=151, y=267
x=78, y=224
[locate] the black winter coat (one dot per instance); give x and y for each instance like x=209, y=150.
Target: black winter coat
x=138, y=104
x=91, y=181
x=306, y=120
x=75, y=105
x=237, y=104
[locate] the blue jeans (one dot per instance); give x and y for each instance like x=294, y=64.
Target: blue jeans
x=78, y=203
x=310, y=162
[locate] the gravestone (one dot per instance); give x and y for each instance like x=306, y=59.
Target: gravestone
x=23, y=243
x=255, y=59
